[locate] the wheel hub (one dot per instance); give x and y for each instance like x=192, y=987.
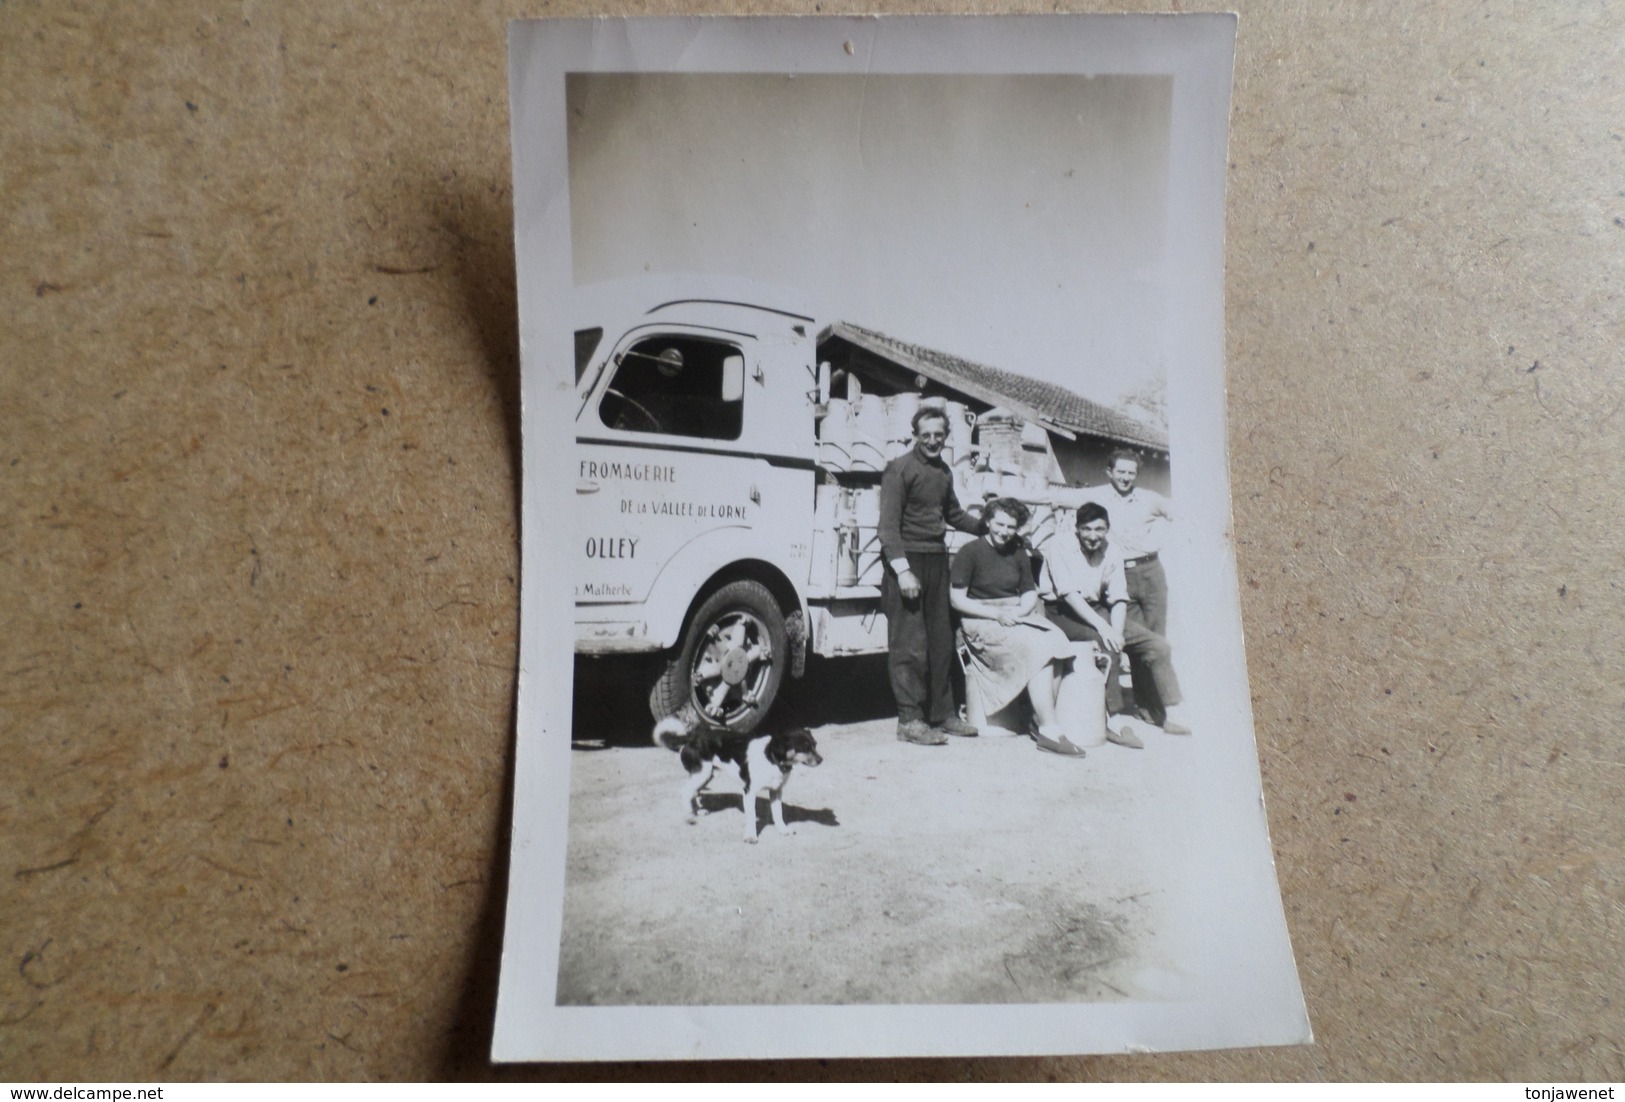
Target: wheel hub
x=735, y=665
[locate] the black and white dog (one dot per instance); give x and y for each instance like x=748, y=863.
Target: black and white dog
x=761, y=764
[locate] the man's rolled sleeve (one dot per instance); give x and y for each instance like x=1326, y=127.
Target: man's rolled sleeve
x=1047, y=589
x=1054, y=584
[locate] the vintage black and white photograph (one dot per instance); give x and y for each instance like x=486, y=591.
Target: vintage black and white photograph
x=882, y=688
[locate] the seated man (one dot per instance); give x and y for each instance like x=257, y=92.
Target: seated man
x=1085, y=594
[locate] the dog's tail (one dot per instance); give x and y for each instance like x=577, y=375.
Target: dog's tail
x=671, y=733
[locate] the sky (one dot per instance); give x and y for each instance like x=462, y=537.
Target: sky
x=1019, y=221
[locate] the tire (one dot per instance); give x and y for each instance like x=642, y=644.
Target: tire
x=731, y=662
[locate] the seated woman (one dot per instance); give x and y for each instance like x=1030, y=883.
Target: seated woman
x=1011, y=648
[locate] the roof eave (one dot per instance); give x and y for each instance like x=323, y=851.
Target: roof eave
x=991, y=397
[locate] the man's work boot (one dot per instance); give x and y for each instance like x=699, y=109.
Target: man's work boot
x=957, y=727
x=919, y=732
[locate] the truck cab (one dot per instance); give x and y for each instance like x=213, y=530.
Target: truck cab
x=695, y=473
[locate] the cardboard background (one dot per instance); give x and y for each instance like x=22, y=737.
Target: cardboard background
x=258, y=453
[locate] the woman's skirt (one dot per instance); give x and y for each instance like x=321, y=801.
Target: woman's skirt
x=1003, y=659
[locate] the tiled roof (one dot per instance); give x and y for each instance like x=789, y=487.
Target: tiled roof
x=1019, y=393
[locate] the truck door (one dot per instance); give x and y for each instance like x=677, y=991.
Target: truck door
x=655, y=461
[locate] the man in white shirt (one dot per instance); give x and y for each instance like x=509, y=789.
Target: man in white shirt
x=1139, y=518
x=1086, y=595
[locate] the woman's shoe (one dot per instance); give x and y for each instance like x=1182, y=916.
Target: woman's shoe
x=1057, y=745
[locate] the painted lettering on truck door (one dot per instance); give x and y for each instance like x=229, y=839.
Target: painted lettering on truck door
x=655, y=466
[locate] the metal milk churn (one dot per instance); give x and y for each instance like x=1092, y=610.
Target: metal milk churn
x=846, y=548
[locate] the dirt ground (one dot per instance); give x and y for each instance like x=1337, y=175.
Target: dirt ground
x=982, y=871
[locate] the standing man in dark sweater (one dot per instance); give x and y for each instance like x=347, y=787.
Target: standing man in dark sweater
x=917, y=504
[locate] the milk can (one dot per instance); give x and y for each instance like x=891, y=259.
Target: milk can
x=1080, y=700
x=846, y=548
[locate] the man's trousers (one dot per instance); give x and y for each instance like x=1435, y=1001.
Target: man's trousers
x=1148, y=594
x=920, y=636
x=1149, y=656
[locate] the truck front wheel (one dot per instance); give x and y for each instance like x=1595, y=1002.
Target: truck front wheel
x=731, y=661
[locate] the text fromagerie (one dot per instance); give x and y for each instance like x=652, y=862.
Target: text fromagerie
x=628, y=472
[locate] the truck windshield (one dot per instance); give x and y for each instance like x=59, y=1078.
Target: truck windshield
x=677, y=385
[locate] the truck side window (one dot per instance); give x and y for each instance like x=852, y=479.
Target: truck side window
x=586, y=344
x=679, y=386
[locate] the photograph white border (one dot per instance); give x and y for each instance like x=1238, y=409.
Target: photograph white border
x=1251, y=996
